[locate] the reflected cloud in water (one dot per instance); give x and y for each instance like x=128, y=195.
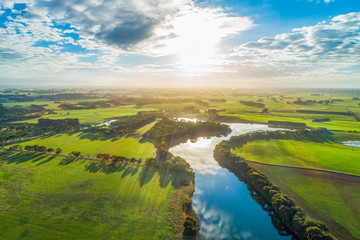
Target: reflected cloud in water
x=199, y=153
x=218, y=224
x=352, y=143
x=222, y=202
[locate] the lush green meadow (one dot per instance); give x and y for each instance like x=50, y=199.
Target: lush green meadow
x=328, y=197
x=324, y=155
x=53, y=197
x=89, y=145
x=93, y=116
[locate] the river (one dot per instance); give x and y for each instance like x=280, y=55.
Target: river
x=222, y=202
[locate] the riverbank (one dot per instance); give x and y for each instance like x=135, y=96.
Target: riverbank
x=291, y=216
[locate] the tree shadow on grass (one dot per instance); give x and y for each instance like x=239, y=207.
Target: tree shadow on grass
x=9, y=157
x=94, y=137
x=21, y=157
x=67, y=161
x=131, y=170
x=99, y=166
x=46, y=160
x=146, y=175
x=167, y=177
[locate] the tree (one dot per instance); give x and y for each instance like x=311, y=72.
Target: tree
x=58, y=151
x=75, y=153
x=50, y=150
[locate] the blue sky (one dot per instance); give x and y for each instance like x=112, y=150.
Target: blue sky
x=185, y=43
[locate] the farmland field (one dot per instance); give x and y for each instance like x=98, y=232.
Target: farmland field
x=323, y=155
x=52, y=197
x=92, y=116
x=328, y=197
x=89, y=145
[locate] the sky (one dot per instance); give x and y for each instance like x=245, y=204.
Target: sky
x=180, y=43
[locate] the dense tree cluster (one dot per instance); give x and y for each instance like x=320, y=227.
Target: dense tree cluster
x=58, y=125
x=290, y=215
x=116, y=159
x=35, y=148
x=148, y=100
x=17, y=112
x=22, y=131
x=85, y=105
x=220, y=100
x=252, y=104
x=172, y=130
x=310, y=102
x=17, y=97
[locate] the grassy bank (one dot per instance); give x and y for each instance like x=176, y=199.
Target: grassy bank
x=52, y=197
x=325, y=155
x=328, y=197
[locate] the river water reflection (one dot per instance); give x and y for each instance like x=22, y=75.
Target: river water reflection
x=222, y=202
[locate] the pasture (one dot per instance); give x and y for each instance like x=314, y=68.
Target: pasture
x=93, y=116
x=328, y=197
x=324, y=155
x=90, y=144
x=53, y=197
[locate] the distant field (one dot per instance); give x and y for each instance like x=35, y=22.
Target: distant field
x=330, y=156
x=93, y=116
x=345, y=125
x=281, y=108
x=90, y=145
x=51, y=103
x=51, y=197
x=328, y=197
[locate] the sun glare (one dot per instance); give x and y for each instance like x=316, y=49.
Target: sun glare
x=198, y=35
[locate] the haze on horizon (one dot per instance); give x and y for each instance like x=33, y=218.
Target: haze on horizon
x=180, y=43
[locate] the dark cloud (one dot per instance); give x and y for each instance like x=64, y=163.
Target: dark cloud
x=30, y=15
x=8, y=55
x=117, y=23
x=128, y=32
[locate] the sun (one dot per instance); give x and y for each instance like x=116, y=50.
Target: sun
x=198, y=36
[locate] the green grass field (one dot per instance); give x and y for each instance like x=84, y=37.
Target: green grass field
x=323, y=155
x=340, y=125
x=93, y=116
x=281, y=110
x=90, y=145
x=53, y=197
x=328, y=197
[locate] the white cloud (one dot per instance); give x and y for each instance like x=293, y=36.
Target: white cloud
x=308, y=52
x=112, y=28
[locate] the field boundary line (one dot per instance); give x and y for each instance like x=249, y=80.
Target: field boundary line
x=304, y=168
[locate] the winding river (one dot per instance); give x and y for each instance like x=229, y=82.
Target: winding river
x=222, y=202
